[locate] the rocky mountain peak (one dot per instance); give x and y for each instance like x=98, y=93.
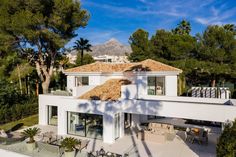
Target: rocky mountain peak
x=112, y=41
x=111, y=47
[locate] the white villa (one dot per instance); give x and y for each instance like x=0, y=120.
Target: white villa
x=107, y=98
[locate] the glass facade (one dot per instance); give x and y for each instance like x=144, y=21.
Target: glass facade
x=52, y=115
x=156, y=85
x=87, y=125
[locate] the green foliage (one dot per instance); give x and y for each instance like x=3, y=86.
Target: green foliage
x=28, y=121
x=87, y=59
x=226, y=146
x=21, y=71
x=217, y=45
x=140, y=45
x=13, y=105
x=30, y=133
x=183, y=28
x=172, y=46
x=43, y=26
x=206, y=59
x=69, y=143
x=82, y=45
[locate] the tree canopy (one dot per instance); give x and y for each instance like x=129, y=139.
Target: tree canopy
x=87, y=59
x=205, y=58
x=44, y=26
x=82, y=45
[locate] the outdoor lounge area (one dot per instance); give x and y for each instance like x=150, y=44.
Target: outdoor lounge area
x=157, y=132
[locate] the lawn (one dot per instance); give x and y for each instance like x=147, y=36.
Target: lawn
x=28, y=121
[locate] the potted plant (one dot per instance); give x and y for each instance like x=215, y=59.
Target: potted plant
x=69, y=144
x=30, y=133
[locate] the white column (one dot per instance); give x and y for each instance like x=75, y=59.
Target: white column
x=43, y=112
x=122, y=124
x=62, y=121
x=108, y=129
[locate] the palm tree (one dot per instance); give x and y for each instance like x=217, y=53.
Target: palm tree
x=82, y=45
x=184, y=27
x=31, y=132
x=230, y=27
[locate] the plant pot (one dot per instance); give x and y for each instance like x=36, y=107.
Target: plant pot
x=70, y=154
x=30, y=146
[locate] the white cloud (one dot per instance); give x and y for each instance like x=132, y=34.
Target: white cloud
x=218, y=17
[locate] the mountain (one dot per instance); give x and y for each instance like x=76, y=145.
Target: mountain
x=112, y=47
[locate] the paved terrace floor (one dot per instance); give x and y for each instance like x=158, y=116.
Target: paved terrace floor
x=136, y=148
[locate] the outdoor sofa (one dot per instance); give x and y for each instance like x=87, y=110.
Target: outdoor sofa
x=157, y=132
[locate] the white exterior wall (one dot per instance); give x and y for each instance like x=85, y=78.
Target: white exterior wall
x=70, y=83
x=129, y=91
x=94, y=80
x=141, y=82
x=171, y=85
x=78, y=91
x=198, y=109
x=70, y=104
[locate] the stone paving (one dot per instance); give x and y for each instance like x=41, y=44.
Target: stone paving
x=135, y=147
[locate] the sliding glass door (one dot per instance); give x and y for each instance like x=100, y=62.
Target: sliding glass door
x=87, y=125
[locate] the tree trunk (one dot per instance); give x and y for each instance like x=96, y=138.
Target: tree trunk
x=37, y=88
x=213, y=83
x=18, y=69
x=81, y=58
x=28, y=84
x=45, y=85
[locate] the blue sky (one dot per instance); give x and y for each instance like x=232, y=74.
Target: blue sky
x=120, y=18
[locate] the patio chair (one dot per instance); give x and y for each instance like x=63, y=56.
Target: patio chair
x=200, y=137
x=82, y=145
x=188, y=135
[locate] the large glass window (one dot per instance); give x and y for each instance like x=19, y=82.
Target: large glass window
x=83, y=124
x=156, y=85
x=52, y=115
x=82, y=81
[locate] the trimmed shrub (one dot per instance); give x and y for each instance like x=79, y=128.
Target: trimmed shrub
x=226, y=146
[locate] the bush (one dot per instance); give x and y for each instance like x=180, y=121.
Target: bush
x=226, y=146
x=18, y=110
x=69, y=143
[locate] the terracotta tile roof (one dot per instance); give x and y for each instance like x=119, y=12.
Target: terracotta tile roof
x=147, y=65
x=110, y=90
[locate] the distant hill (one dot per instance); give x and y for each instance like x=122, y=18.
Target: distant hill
x=111, y=47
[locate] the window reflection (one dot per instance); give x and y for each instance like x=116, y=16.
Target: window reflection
x=156, y=85
x=83, y=124
x=52, y=115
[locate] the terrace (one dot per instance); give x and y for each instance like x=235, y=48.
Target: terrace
x=129, y=144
